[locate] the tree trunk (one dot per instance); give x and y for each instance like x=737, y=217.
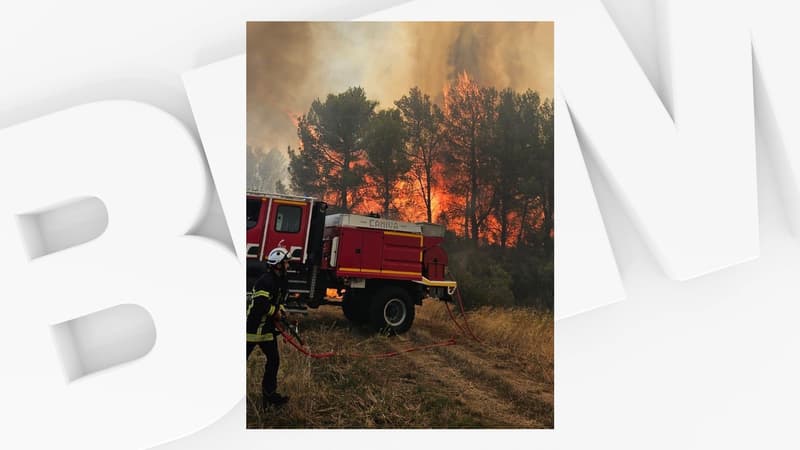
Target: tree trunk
x=466, y=218
x=428, y=192
x=343, y=186
x=473, y=193
x=503, y=223
x=548, y=218
x=386, y=197
x=522, y=218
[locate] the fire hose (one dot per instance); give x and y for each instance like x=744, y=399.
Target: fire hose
x=464, y=315
x=326, y=355
x=452, y=341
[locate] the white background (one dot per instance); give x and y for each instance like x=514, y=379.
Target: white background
x=706, y=363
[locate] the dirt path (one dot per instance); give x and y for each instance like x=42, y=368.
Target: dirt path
x=488, y=378
x=438, y=368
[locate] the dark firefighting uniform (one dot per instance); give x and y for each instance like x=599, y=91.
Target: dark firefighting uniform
x=264, y=303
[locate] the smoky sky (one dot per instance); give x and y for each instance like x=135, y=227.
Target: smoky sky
x=289, y=64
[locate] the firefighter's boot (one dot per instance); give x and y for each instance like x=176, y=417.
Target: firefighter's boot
x=275, y=399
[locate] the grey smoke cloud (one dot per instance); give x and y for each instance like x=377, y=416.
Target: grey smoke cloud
x=289, y=64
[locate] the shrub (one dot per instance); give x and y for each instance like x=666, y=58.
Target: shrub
x=482, y=280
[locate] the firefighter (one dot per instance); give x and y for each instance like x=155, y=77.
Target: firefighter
x=264, y=307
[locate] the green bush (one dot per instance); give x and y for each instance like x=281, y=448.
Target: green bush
x=532, y=277
x=489, y=275
x=482, y=280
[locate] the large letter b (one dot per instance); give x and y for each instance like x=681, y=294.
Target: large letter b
x=128, y=339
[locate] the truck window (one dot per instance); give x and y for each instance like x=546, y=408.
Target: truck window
x=253, y=208
x=287, y=219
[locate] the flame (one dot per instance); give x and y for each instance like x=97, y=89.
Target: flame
x=448, y=202
x=293, y=117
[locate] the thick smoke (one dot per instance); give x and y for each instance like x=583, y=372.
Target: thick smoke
x=279, y=79
x=518, y=55
x=290, y=64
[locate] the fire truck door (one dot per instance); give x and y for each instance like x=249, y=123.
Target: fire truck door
x=256, y=212
x=288, y=224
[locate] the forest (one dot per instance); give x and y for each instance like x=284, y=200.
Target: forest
x=475, y=158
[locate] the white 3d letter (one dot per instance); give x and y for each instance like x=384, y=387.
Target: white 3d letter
x=688, y=184
x=145, y=168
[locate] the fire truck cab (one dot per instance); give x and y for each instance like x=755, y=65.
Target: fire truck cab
x=280, y=219
x=379, y=268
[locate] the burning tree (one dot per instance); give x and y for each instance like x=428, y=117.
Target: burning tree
x=331, y=147
x=422, y=121
x=482, y=163
x=468, y=115
x=384, y=142
x=538, y=187
x=515, y=153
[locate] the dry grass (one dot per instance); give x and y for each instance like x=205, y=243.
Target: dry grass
x=505, y=383
x=525, y=332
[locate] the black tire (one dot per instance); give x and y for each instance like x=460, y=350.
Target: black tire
x=391, y=310
x=355, y=306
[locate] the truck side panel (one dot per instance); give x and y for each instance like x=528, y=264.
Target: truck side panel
x=367, y=253
x=371, y=250
x=402, y=253
x=349, y=253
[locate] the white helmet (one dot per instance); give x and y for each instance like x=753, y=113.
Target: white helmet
x=277, y=255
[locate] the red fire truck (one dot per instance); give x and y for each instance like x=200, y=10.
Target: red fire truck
x=379, y=268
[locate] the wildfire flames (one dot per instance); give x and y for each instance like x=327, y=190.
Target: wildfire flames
x=448, y=209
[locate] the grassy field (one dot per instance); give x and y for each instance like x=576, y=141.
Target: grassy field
x=506, y=382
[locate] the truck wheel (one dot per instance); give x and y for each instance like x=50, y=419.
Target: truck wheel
x=355, y=306
x=392, y=310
